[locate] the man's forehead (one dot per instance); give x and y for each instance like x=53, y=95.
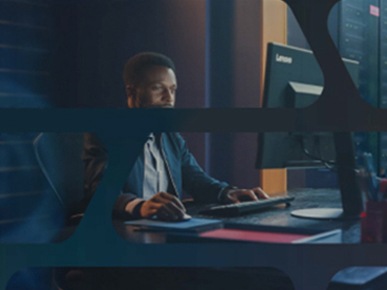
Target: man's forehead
x=159, y=74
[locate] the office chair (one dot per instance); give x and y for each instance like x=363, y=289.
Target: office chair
x=59, y=158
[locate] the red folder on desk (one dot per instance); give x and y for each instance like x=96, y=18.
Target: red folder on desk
x=262, y=236
x=253, y=236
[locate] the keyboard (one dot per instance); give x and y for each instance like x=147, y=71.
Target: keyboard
x=236, y=209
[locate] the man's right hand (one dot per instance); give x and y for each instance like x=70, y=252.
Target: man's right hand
x=164, y=206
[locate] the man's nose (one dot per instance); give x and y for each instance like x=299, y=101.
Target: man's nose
x=169, y=95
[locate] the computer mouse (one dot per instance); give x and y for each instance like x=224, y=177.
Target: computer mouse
x=186, y=217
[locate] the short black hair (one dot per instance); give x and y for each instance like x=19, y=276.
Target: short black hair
x=136, y=66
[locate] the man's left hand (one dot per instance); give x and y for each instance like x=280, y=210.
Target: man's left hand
x=240, y=195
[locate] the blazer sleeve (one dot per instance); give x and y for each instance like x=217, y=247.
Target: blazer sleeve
x=202, y=187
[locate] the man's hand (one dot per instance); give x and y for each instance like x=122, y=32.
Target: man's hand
x=164, y=206
x=240, y=195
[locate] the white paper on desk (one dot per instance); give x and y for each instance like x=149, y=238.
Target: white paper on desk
x=192, y=224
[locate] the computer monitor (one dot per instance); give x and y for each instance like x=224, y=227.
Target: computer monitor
x=294, y=80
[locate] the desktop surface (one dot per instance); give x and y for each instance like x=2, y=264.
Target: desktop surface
x=277, y=218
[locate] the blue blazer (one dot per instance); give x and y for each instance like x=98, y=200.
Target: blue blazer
x=184, y=172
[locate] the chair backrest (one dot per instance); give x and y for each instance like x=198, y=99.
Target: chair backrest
x=60, y=158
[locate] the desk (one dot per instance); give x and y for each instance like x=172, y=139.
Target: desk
x=305, y=198
x=276, y=217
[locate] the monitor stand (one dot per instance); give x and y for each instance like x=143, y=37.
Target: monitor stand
x=351, y=196
x=320, y=213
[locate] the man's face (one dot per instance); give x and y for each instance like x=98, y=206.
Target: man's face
x=156, y=90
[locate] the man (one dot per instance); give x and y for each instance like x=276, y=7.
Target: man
x=166, y=167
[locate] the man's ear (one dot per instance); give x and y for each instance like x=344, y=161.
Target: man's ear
x=130, y=95
x=130, y=102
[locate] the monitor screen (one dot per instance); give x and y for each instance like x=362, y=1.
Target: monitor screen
x=294, y=80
